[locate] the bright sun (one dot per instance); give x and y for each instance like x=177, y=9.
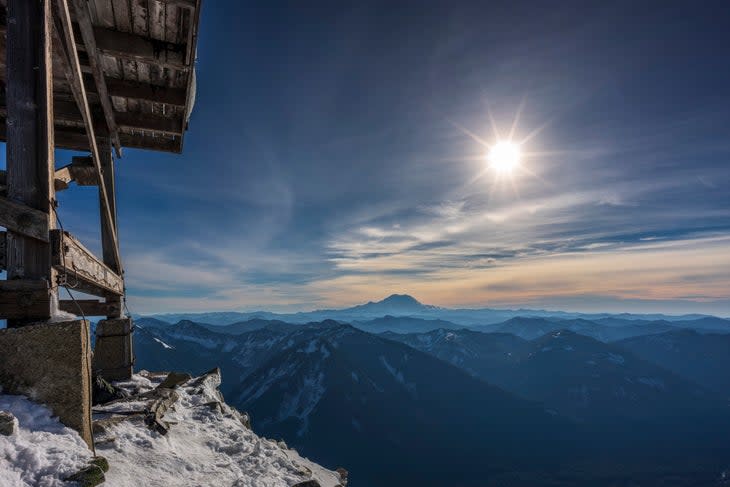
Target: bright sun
x=504, y=157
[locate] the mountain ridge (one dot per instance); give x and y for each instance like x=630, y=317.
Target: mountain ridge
x=407, y=305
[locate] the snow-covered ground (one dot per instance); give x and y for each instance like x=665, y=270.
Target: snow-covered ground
x=42, y=451
x=205, y=446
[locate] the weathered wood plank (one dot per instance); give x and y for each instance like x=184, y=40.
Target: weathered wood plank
x=82, y=269
x=24, y=220
x=76, y=139
x=89, y=307
x=63, y=178
x=146, y=91
x=77, y=84
x=109, y=245
x=173, y=24
x=25, y=299
x=171, y=125
x=87, y=34
x=122, y=16
x=26, y=212
x=152, y=123
x=139, y=18
x=190, y=4
x=156, y=20
x=3, y=250
x=194, y=21
x=143, y=49
x=81, y=170
x=102, y=12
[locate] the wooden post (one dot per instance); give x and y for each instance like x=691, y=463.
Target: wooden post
x=30, y=165
x=108, y=243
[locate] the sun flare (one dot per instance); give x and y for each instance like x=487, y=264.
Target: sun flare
x=504, y=156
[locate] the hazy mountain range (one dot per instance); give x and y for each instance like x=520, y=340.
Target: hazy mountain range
x=405, y=305
x=409, y=397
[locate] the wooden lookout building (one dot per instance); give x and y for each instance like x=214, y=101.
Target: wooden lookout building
x=94, y=76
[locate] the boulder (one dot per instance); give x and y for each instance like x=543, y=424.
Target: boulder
x=90, y=476
x=8, y=423
x=343, y=473
x=103, y=392
x=174, y=379
x=307, y=483
x=101, y=462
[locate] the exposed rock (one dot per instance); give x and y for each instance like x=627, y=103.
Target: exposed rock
x=308, y=483
x=101, y=462
x=214, y=406
x=222, y=450
x=100, y=426
x=8, y=423
x=343, y=475
x=88, y=477
x=103, y=392
x=157, y=410
x=174, y=379
x=245, y=419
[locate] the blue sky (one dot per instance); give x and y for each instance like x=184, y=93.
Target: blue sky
x=336, y=155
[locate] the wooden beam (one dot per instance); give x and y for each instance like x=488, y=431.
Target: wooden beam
x=146, y=91
x=107, y=242
x=164, y=144
x=67, y=112
x=108, y=245
x=25, y=300
x=189, y=4
x=190, y=60
x=123, y=45
x=29, y=148
x=83, y=271
x=64, y=111
x=24, y=220
x=89, y=307
x=77, y=85
x=87, y=34
x=63, y=178
x=3, y=250
x=152, y=123
x=81, y=170
x=71, y=138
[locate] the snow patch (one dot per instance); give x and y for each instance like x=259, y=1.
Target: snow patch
x=302, y=401
x=42, y=451
x=205, y=446
x=203, y=342
x=393, y=371
x=164, y=345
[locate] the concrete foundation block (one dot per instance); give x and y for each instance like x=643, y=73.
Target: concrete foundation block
x=51, y=364
x=113, y=353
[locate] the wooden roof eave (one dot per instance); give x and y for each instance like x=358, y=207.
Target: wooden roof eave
x=111, y=95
